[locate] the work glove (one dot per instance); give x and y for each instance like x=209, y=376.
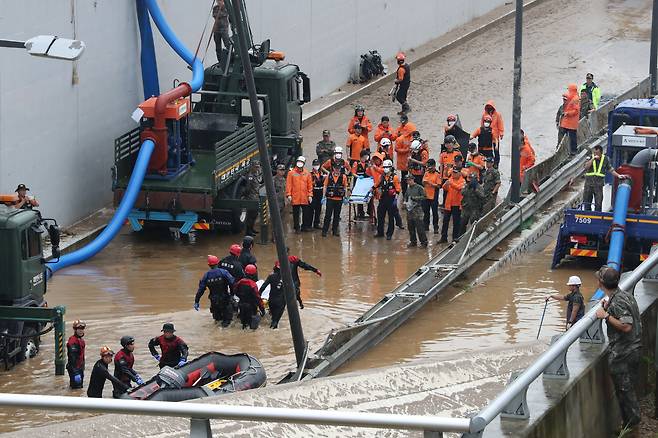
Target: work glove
x=156, y=357
x=139, y=380
x=182, y=362
x=310, y=199
x=318, y=273
x=470, y=163
x=196, y=306
x=77, y=378
x=324, y=200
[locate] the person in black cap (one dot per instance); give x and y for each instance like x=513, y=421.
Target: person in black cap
x=25, y=202
x=174, y=349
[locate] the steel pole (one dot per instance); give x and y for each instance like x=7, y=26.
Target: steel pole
x=277, y=227
x=517, y=141
x=653, y=56
x=58, y=322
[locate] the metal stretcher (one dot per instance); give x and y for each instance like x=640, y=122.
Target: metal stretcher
x=362, y=194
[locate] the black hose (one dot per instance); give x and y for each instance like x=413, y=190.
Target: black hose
x=14, y=336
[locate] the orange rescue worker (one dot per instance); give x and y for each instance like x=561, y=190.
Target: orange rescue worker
x=386, y=148
x=527, y=154
x=384, y=130
x=406, y=127
x=402, y=81
x=404, y=137
x=431, y=184
x=299, y=191
x=447, y=161
x=453, y=205
x=335, y=191
x=356, y=143
x=361, y=119
x=376, y=169
x=484, y=134
x=474, y=162
x=571, y=116
x=389, y=188
x=336, y=159
x=418, y=159
x=497, y=128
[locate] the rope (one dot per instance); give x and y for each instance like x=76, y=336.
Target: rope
x=15, y=336
x=205, y=26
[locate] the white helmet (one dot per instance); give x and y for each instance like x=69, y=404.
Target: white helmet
x=574, y=280
x=338, y=150
x=385, y=142
x=301, y=158
x=415, y=145
x=388, y=163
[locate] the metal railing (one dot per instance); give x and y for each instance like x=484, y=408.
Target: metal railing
x=507, y=402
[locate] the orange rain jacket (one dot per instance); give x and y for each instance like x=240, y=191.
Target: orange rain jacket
x=527, y=156
x=355, y=144
x=431, y=181
x=571, y=109
x=366, y=127
x=453, y=188
x=446, y=161
x=299, y=186
x=497, y=125
x=385, y=132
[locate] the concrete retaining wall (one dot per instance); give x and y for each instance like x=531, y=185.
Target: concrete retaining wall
x=58, y=120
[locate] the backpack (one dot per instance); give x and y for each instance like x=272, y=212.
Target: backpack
x=371, y=66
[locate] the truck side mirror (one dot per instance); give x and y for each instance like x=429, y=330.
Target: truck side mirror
x=53, y=233
x=306, y=86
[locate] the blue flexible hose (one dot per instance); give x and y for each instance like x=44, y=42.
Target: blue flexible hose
x=111, y=230
x=147, y=52
x=139, y=170
x=616, y=248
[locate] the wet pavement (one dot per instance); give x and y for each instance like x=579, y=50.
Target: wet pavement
x=141, y=281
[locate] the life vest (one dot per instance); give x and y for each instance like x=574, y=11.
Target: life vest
x=361, y=169
x=406, y=79
x=231, y=263
x=75, y=341
x=597, y=168
x=169, y=347
x=387, y=185
x=244, y=289
x=336, y=188
x=318, y=181
x=485, y=139
x=130, y=361
x=416, y=155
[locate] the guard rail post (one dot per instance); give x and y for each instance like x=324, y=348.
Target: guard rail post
x=58, y=322
x=264, y=219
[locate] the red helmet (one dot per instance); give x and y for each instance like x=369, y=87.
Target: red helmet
x=451, y=118
x=235, y=250
x=277, y=264
x=212, y=260
x=250, y=270
x=487, y=118
x=400, y=56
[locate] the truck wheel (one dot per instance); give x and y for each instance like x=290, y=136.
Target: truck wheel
x=29, y=344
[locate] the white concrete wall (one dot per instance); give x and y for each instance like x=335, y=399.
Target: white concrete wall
x=57, y=137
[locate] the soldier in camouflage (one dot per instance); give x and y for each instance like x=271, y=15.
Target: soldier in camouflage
x=415, y=214
x=280, y=186
x=251, y=189
x=490, y=185
x=624, y=326
x=473, y=200
x=325, y=147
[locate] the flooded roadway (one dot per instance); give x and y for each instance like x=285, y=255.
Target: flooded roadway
x=141, y=281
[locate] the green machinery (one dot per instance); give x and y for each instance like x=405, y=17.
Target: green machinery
x=212, y=146
x=23, y=308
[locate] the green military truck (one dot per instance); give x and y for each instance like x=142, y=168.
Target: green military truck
x=213, y=145
x=23, y=274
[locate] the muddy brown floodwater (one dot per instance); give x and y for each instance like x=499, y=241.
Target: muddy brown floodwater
x=142, y=280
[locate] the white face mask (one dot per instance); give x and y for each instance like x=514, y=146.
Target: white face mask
x=487, y=124
x=387, y=170
x=451, y=124
x=316, y=167
x=338, y=156
x=300, y=164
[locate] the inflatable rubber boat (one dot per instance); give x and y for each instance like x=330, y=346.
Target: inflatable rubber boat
x=208, y=375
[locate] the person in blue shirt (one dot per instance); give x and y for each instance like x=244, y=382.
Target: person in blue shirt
x=219, y=282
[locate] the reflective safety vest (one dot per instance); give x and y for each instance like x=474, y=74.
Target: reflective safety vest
x=596, y=170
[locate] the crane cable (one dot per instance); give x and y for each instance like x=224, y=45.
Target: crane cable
x=196, y=52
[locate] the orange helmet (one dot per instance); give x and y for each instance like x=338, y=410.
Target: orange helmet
x=235, y=250
x=106, y=351
x=400, y=57
x=212, y=260
x=250, y=270
x=487, y=118
x=77, y=324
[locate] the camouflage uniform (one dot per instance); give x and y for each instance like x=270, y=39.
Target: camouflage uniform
x=586, y=106
x=624, y=351
x=280, y=188
x=414, y=204
x=325, y=150
x=251, y=193
x=473, y=202
x=220, y=28
x=490, y=178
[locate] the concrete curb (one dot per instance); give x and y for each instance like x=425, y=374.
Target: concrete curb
x=313, y=117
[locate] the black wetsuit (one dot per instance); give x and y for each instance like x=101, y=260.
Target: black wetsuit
x=99, y=374
x=277, y=298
